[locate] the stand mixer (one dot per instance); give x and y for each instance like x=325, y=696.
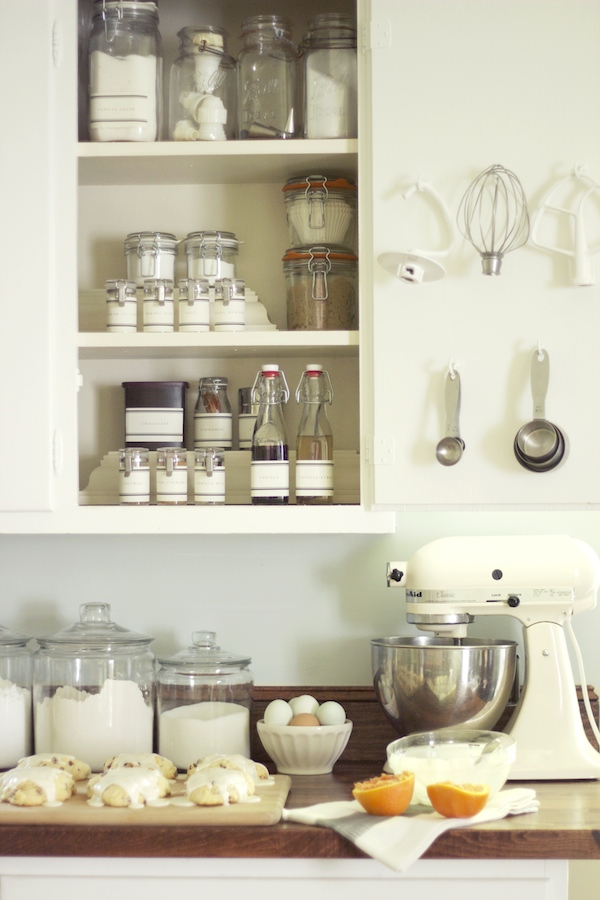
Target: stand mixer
x=543, y=581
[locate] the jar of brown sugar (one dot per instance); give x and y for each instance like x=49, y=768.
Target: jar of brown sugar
x=321, y=288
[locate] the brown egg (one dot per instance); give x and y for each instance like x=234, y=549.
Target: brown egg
x=305, y=719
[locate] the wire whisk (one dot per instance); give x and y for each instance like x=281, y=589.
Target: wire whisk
x=493, y=216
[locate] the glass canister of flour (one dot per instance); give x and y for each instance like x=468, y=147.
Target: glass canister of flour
x=125, y=71
x=15, y=697
x=329, y=77
x=93, y=689
x=321, y=287
x=204, y=696
x=150, y=254
x=211, y=254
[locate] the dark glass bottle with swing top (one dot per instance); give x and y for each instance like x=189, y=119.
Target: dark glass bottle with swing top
x=314, y=443
x=269, y=467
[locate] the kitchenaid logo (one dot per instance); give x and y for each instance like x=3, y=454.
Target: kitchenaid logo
x=413, y=595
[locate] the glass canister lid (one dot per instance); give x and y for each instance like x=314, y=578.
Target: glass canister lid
x=205, y=657
x=95, y=631
x=10, y=638
x=319, y=184
x=223, y=238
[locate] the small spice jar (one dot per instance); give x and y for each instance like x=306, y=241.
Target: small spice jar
x=15, y=697
x=150, y=254
x=246, y=418
x=159, y=305
x=321, y=210
x=202, y=87
x=204, y=697
x=230, y=305
x=321, y=288
x=155, y=413
x=212, y=415
x=93, y=689
x=171, y=476
x=134, y=476
x=209, y=476
x=121, y=306
x=211, y=254
x=329, y=77
x=194, y=304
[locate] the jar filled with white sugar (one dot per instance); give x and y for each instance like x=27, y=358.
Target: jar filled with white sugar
x=329, y=77
x=125, y=71
x=204, y=695
x=211, y=254
x=15, y=697
x=93, y=690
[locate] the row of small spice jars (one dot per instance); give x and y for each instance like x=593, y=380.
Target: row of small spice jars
x=95, y=690
x=201, y=305
x=212, y=96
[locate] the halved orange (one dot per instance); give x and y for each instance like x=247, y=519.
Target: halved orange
x=458, y=801
x=385, y=795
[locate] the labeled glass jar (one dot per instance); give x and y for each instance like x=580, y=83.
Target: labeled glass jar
x=321, y=289
x=202, y=87
x=121, y=306
x=15, y=697
x=246, y=418
x=211, y=254
x=125, y=71
x=204, y=697
x=194, y=304
x=93, y=689
x=213, y=425
x=158, y=306
x=328, y=77
x=209, y=476
x=150, y=254
x=171, y=476
x=321, y=210
x=155, y=413
x=266, y=79
x=134, y=476
x=230, y=305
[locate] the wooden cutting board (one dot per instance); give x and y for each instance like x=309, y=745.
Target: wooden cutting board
x=76, y=811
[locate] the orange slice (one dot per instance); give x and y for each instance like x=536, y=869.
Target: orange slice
x=385, y=795
x=458, y=801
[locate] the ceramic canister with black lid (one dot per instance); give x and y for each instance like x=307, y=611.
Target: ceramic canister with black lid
x=155, y=413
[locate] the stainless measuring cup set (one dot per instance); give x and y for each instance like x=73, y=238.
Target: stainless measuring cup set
x=539, y=445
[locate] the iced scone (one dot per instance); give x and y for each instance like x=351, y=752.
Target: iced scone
x=145, y=760
x=75, y=767
x=36, y=786
x=219, y=787
x=256, y=771
x=128, y=786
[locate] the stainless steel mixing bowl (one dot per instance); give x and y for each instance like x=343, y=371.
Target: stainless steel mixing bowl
x=424, y=683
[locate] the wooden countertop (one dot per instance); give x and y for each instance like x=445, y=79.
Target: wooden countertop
x=567, y=825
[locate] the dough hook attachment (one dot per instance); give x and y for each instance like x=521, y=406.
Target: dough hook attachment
x=580, y=254
x=418, y=266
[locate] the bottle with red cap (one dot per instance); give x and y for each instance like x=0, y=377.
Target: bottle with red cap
x=269, y=467
x=314, y=443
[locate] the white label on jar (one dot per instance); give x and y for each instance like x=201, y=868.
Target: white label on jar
x=153, y=424
x=188, y=733
x=212, y=430
x=122, y=97
x=135, y=486
x=314, y=478
x=121, y=317
x=230, y=316
x=246, y=423
x=270, y=478
x=194, y=316
x=173, y=487
x=159, y=316
x=331, y=94
x=209, y=488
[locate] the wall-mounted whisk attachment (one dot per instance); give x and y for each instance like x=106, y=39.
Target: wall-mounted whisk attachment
x=493, y=216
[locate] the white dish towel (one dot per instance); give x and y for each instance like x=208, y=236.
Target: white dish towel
x=397, y=841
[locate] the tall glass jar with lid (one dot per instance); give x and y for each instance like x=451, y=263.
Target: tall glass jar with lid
x=125, y=71
x=15, y=697
x=93, y=690
x=202, y=91
x=266, y=79
x=204, y=695
x=329, y=77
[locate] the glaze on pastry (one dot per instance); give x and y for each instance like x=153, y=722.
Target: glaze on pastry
x=36, y=786
x=256, y=771
x=219, y=787
x=145, y=760
x=75, y=767
x=127, y=786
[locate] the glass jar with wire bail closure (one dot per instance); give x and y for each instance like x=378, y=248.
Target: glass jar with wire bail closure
x=328, y=77
x=321, y=288
x=213, y=421
x=314, y=442
x=266, y=79
x=125, y=71
x=269, y=463
x=202, y=88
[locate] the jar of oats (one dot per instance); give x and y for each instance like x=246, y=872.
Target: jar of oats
x=321, y=288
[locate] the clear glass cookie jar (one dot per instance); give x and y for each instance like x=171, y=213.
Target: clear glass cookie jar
x=15, y=697
x=93, y=689
x=204, y=696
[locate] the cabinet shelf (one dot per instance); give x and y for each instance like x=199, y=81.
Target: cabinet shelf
x=222, y=162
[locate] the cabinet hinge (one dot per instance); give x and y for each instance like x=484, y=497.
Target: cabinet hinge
x=377, y=35
x=57, y=44
x=78, y=380
x=380, y=451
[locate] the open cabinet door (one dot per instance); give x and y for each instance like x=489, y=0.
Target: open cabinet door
x=38, y=178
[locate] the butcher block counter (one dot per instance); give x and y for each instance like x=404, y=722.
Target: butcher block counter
x=567, y=825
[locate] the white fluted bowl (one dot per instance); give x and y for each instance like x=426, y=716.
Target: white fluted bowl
x=304, y=750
